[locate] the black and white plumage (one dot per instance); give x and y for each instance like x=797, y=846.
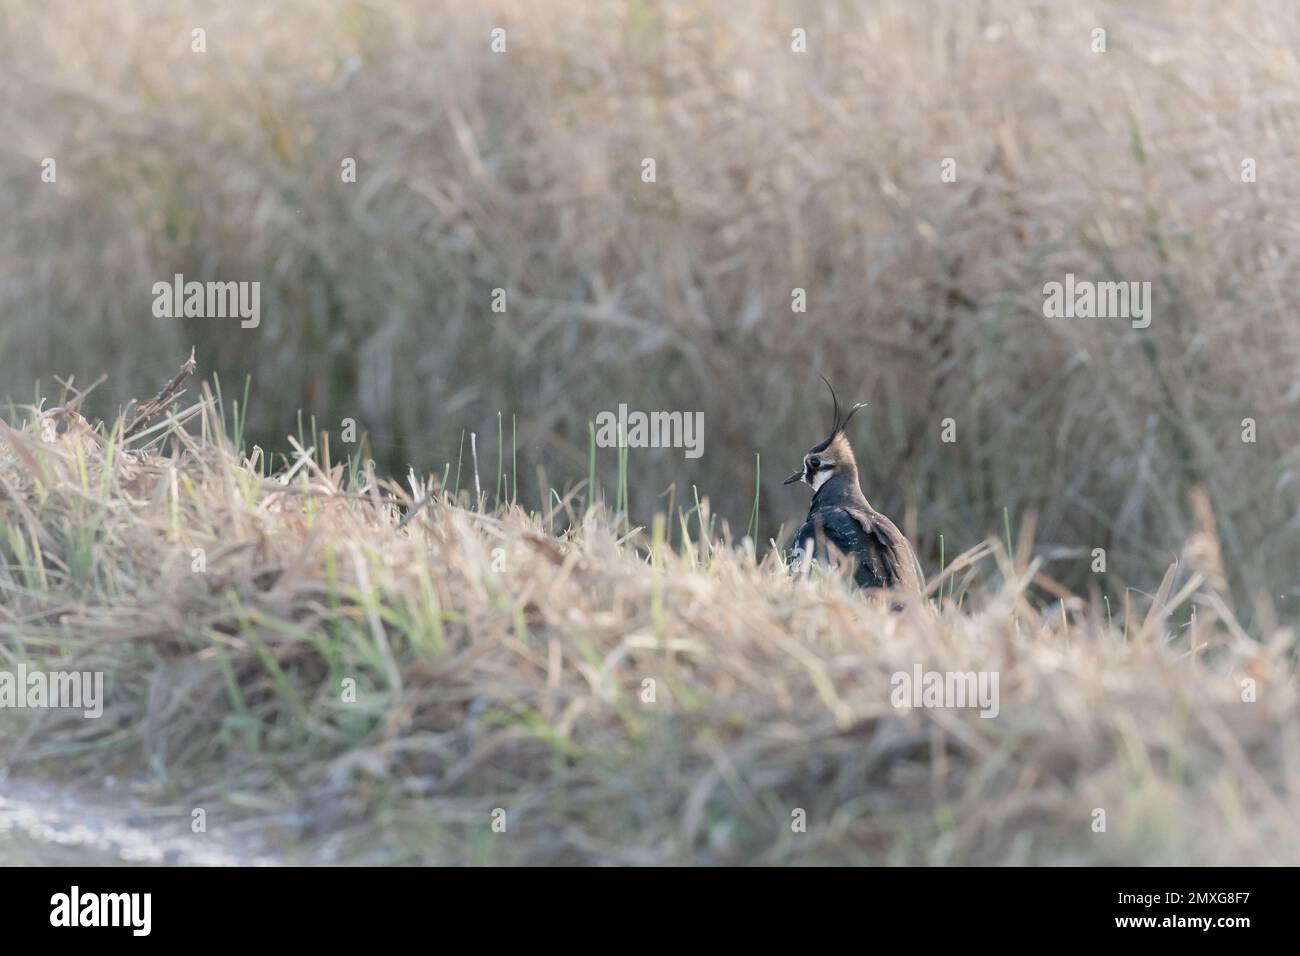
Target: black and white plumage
x=842, y=520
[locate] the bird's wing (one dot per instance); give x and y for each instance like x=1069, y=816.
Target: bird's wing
x=888, y=554
x=885, y=559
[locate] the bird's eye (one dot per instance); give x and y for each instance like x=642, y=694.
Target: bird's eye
x=815, y=462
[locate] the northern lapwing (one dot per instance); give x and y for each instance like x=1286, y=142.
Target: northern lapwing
x=841, y=517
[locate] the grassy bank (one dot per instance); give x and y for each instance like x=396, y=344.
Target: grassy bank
x=501, y=662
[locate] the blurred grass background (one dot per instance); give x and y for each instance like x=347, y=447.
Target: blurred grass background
x=775, y=170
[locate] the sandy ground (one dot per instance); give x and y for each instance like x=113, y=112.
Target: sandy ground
x=47, y=825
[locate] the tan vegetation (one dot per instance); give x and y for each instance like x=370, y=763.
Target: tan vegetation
x=500, y=661
x=775, y=170
x=230, y=583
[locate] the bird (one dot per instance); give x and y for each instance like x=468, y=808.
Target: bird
x=841, y=516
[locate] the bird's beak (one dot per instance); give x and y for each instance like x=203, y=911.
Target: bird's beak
x=797, y=476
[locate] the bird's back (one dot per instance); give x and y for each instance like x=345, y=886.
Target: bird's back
x=882, y=554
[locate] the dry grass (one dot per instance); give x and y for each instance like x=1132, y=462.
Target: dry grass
x=499, y=651
x=776, y=171
x=500, y=657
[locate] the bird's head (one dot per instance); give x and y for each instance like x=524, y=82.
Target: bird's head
x=832, y=455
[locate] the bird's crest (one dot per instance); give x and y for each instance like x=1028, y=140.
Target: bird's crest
x=837, y=423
